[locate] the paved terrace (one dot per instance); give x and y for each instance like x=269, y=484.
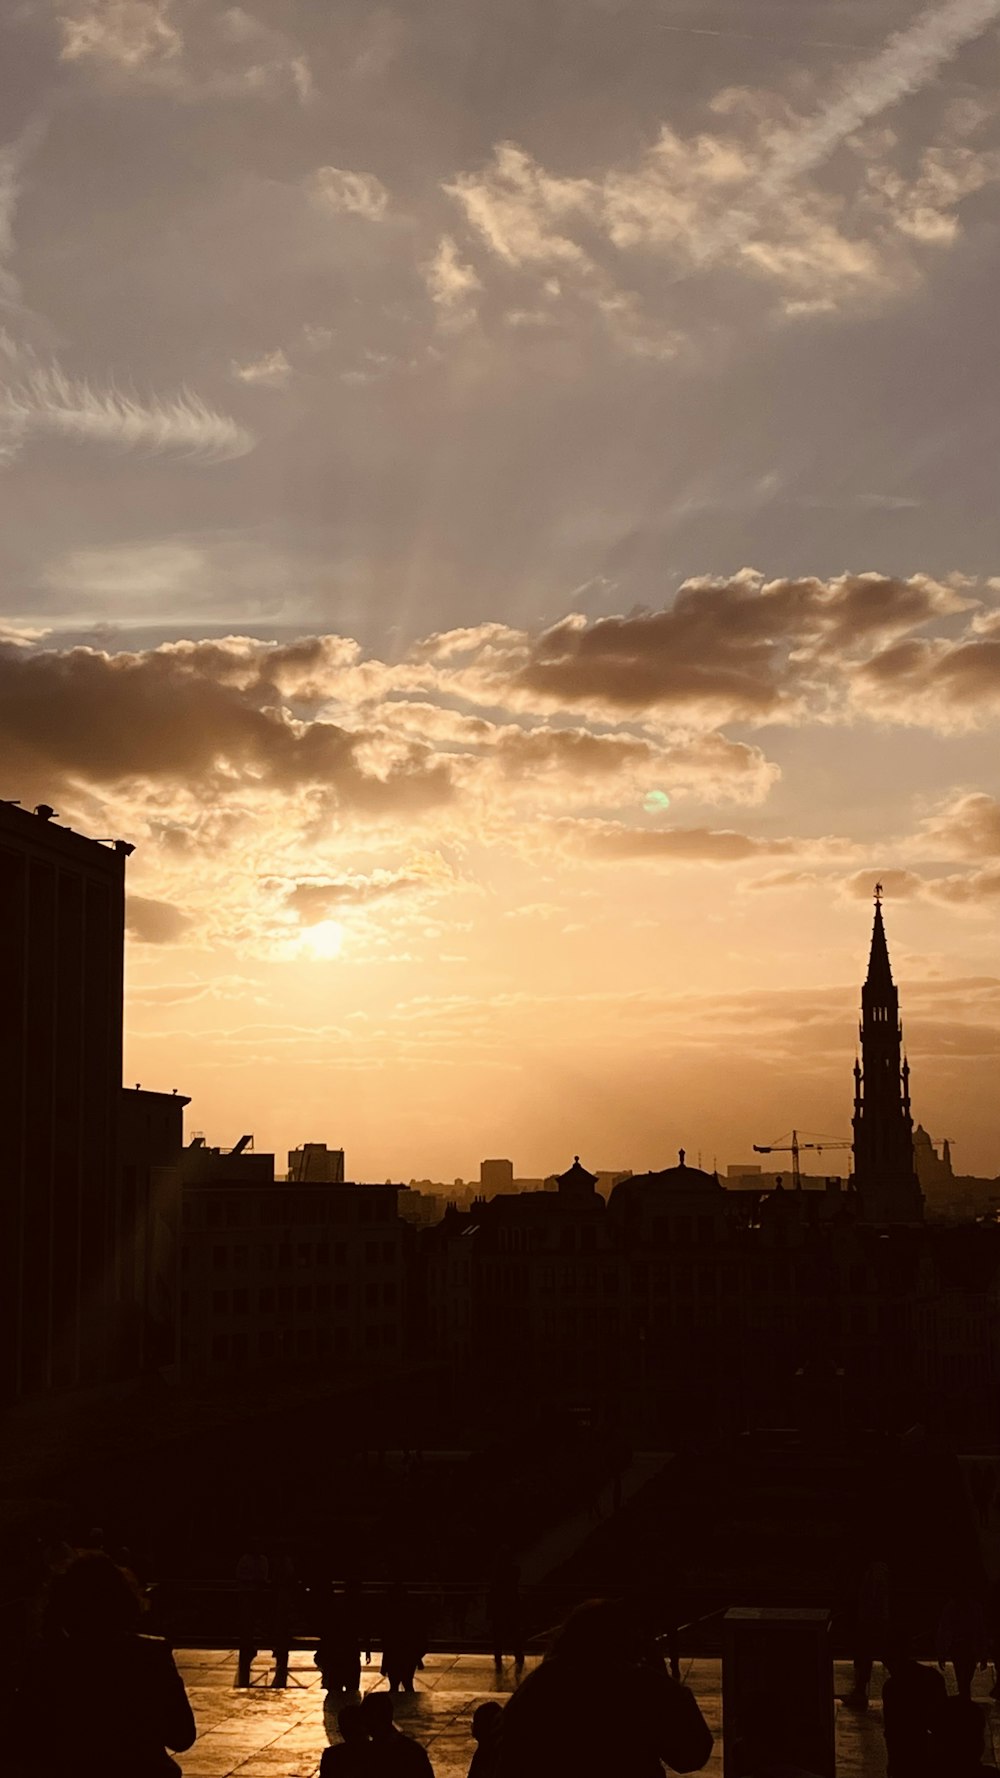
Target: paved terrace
x=262, y=1733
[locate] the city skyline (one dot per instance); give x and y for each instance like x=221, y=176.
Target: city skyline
x=499, y=511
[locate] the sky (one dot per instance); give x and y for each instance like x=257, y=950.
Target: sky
x=499, y=505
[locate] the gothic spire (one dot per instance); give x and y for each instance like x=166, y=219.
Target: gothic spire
x=879, y=970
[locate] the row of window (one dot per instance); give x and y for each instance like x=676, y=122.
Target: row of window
x=304, y=1342
x=241, y=1257
x=284, y=1298
x=278, y=1210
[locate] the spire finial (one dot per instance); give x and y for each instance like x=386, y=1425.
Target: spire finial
x=878, y=895
x=681, y=1152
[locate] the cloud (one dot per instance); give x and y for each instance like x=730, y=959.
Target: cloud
x=128, y=34
x=428, y=875
x=198, y=716
x=749, y=192
x=613, y=842
x=272, y=370
x=349, y=194
x=741, y=648
x=966, y=826
x=43, y=399
x=908, y=61
x=189, y=53
x=451, y=284
x=933, y=682
x=154, y=922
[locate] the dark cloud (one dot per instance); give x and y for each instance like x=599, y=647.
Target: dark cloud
x=154, y=922
x=933, y=680
x=613, y=841
x=194, y=716
x=967, y=827
x=740, y=648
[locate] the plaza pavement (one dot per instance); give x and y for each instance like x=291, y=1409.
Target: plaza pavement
x=262, y=1733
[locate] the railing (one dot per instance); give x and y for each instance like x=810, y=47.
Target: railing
x=210, y=1614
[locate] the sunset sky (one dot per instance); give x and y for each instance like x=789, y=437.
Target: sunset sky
x=500, y=505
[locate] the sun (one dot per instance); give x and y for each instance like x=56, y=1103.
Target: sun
x=324, y=940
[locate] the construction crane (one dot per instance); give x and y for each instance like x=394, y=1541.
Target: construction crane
x=795, y=1147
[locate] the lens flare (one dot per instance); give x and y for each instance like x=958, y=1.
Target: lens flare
x=655, y=801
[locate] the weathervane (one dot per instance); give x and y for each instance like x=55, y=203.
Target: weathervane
x=878, y=895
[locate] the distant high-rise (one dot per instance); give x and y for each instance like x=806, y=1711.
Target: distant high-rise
x=496, y=1176
x=62, y=925
x=884, y=1171
x=314, y=1161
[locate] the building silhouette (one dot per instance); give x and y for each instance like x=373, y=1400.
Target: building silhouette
x=291, y=1274
x=884, y=1170
x=62, y=924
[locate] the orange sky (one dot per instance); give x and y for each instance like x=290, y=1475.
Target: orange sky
x=391, y=402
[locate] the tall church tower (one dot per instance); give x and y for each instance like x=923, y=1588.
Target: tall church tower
x=884, y=1170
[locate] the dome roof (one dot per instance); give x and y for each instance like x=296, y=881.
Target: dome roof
x=681, y=1178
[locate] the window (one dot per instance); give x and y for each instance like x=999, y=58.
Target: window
x=285, y=1299
x=303, y=1253
x=241, y=1301
x=304, y=1296
x=322, y=1296
x=371, y=1336
x=240, y=1257
x=389, y=1294
x=339, y=1253
x=265, y=1257
x=214, y=1217
x=371, y=1295
x=284, y=1256
x=266, y=1343
x=220, y=1345
x=388, y=1250
x=220, y=1259
x=220, y=1302
x=233, y=1217
x=265, y=1301
x=371, y=1253
x=340, y=1294
x=322, y=1253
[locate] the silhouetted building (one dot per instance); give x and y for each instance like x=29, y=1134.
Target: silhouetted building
x=62, y=923
x=313, y=1160
x=148, y=1232
x=934, y=1171
x=287, y=1273
x=884, y=1171
x=496, y=1176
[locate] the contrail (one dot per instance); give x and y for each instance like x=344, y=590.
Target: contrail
x=755, y=36
x=906, y=62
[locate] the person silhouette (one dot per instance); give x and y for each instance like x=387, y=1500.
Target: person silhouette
x=338, y=1654
x=390, y=1754
x=912, y=1699
x=485, y=1728
x=347, y=1758
x=504, y=1609
x=120, y=1699
x=960, y=1740
x=601, y=1702
x=962, y=1638
x=871, y=1627
x=402, y=1639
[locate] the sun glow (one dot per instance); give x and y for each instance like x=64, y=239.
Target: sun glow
x=324, y=940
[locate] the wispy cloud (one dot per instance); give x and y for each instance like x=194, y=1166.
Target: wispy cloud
x=271, y=369
x=348, y=193
x=907, y=62
x=41, y=398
